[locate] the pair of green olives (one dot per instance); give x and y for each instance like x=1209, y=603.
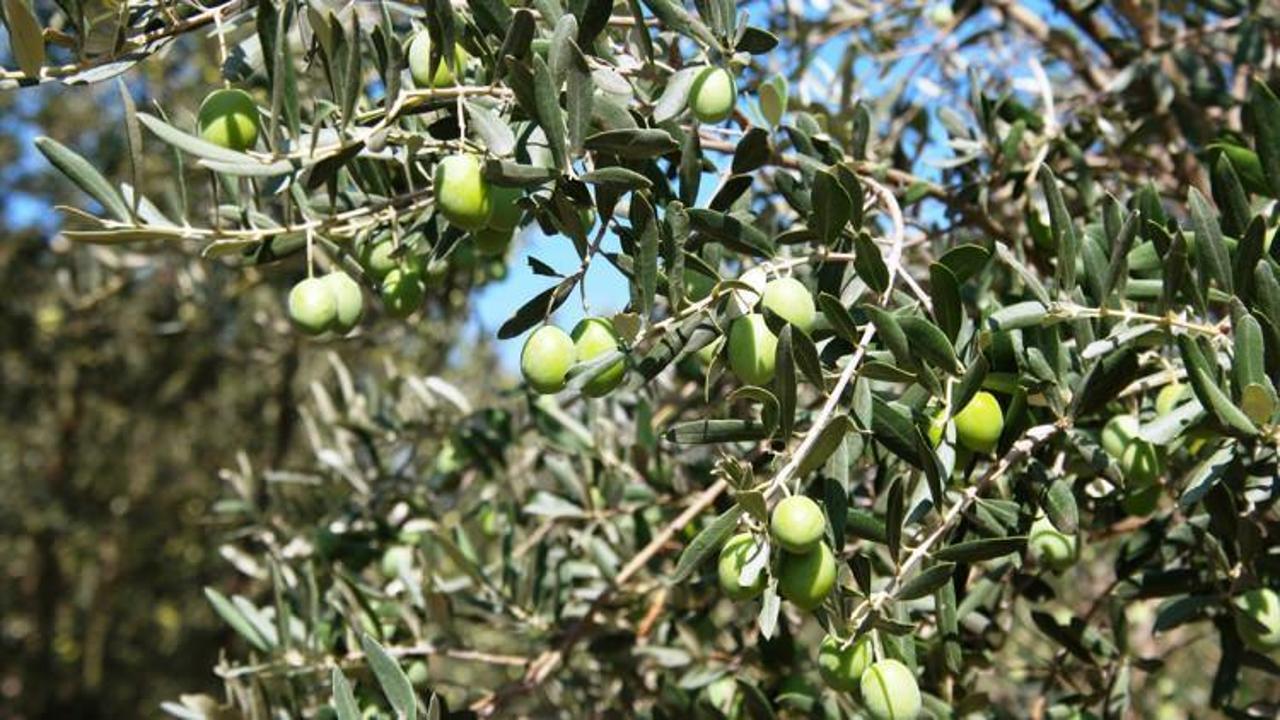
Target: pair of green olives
x=753, y=347
x=419, y=53
x=888, y=688
x=467, y=200
x=549, y=353
x=1141, y=463
x=332, y=302
x=401, y=284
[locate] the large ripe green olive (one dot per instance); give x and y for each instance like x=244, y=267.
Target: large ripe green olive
x=1051, y=547
x=841, y=666
x=790, y=300
x=806, y=579
x=890, y=691
x=348, y=298
x=752, y=349
x=797, y=523
x=402, y=292
x=229, y=118
x=462, y=193
x=506, y=207
x=593, y=337
x=420, y=63
x=546, y=358
x=312, y=306
x=713, y=95
x=493, y=242
x=1257, y=614
x=979, y=424
x=737, y=552
x=1140, y=461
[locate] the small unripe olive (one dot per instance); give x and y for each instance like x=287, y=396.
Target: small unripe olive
x=979, y=424
x=396, y=559
x=492, y=242
x=1050, y=547
x=940, y=14
x=797, y=523
x=890, y=691
x=377, y=256
x=842, y=667
x=752, y=349
x=737, y=552
x=1139, y=460
x=402, y=292
x=546, y=358
x=312, y=306
x=462, y=193
x=420, y=63
x=1258, y=619
x=807, y=578
x=1169, y=397
x=229, y=118
x=713, y=95
x=593, y=337
x=417, y=673
x=790, y=300
x=348, y=299
x=506, y=208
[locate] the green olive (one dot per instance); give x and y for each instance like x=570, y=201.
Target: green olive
x=734, y=556
x=713, y=95
x=707, y=353
x=593, y=337
x=841, y=666
x=1051, y=547
x=493, y=242
x=229, y=118
x=979, y=424
x=348, y=299
x=396, y=559
x=462, y=193
x=790, y=300
x=940, y=14
x=377, y=256
x=806, y=579
x=1139, y=460
x=1258, y=619
x=890, y=691
x=697, y=285
x=417, y=673
x=1169, y=397
x=752, y=349
x=797, y=523
x=420, y=63
x=312, y=306
x=402, y=292
x=506, y=207
x=546, y=358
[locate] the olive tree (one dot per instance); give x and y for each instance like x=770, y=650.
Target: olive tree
x=945, y=384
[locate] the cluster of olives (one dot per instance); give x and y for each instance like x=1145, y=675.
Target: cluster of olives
x=332, y=302
x=549, y=354
x=1141, y=462
x=752, y=345
x=419, y=53
x=806, y=568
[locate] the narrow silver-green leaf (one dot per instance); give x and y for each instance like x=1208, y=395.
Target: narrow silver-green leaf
x=394, y=683
x=705, y=544
x=85, y=176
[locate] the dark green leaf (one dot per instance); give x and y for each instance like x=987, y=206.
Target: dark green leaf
x=1211, y=251
x=702, y=432
x=831, y=210
x=1264, y=109
x=926, y=582
x=753, y=151
x=972, y=551
x=639, y=144
x=869, y=264
x=705, y=544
